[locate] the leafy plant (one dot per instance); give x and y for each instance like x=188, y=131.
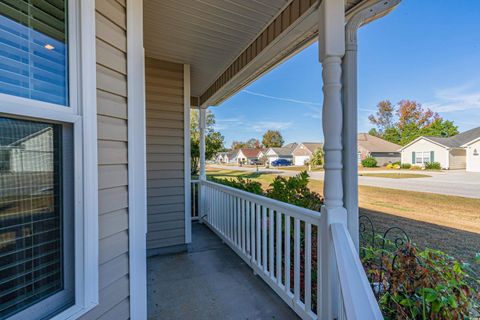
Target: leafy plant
x=317, y=157
x=369, y=162
x=433, y=166
x=241, y=183
x=414, y=284
x=405, y=165
x=294, y=190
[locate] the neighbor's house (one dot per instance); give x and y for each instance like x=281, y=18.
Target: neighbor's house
x=473, y=155
x=449, y=152
x=304, y=151
x=115, y=81
x=383, y=151
x=248, y=155
x=225, y=157
x=284, y=152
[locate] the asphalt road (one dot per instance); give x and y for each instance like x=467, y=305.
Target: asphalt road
x=454, y=182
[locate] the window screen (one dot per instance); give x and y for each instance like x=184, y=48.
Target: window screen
x=33, y=49
x=32, y=233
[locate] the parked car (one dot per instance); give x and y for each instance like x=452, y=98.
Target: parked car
x=281, y=162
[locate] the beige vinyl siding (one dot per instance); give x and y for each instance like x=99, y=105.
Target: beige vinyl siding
x=458, y=159
x=165, y=154
x=112, y=162
x=422, y=145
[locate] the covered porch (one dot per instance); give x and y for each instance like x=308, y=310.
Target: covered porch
x=249, y=256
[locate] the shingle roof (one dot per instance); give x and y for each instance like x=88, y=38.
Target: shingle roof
x=376, y=144
x=458, y=140
x=251, y=152
x=285, y=150
x=313, y=146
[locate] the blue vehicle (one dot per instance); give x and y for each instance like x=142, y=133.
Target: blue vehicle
x=281, y=163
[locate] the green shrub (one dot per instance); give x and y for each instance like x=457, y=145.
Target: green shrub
x=294, y=190
x=405, y=165
x=241, y=183
x=433, y=166
x=369, y=162
x=416, y=284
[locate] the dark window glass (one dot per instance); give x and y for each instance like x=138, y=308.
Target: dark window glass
x=32, y=264
x=33, y=49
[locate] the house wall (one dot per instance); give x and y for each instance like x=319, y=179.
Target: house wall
x=165, y=154
x=473, y=157
x=300, y=155
x=458, y=159
x=111, y=46
x=441, y=154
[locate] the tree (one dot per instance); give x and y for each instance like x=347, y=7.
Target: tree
x=317, y=157
x=238, y=145
x=250, y=143
x=213, y=139
x=272, y=139
x=407, y=120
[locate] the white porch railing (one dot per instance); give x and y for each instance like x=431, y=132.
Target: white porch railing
x=279, y=242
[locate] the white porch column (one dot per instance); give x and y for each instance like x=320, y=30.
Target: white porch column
x=202, y=122
x=350, y=112
x=332, y=50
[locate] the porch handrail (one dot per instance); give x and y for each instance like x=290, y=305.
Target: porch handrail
x=358, y=299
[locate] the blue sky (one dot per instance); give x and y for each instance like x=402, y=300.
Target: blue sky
x=425, y=50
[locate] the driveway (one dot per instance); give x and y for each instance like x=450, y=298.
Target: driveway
x=455, y=182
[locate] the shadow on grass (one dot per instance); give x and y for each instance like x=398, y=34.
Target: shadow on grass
x=457, y=243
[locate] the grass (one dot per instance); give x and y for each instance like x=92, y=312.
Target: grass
x=448, y=223
x=395, y=175
x=298, y=168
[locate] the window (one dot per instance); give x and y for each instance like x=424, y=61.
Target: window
x=34, y=233
x=33, y=54
x=45, y=167
x=422, y=157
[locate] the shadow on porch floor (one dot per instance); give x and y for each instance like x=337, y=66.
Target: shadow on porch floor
x=209, y=282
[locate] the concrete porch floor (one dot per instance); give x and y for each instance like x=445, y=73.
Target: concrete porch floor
x=209, y=282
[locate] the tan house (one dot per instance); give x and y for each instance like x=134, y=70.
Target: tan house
x=450, y=152
x=304, y=151
x=383, y=151
x=115, y=81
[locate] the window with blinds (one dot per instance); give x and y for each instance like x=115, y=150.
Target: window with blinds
x=33, y=50
x=33, y=264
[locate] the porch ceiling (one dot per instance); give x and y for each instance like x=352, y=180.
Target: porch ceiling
x=209, y=34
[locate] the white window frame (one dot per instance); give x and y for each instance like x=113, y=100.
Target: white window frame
x=81, y=114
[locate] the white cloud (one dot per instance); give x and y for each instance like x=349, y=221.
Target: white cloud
x=465, y=97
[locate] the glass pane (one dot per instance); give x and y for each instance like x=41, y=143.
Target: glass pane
x=33, y=50
x=31, y=217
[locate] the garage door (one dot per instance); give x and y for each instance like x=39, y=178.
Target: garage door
x=300, y=160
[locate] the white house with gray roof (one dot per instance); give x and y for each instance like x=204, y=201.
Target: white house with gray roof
x=449, y=152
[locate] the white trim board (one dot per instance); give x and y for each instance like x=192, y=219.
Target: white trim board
x=186, y=158
x=137, y=197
